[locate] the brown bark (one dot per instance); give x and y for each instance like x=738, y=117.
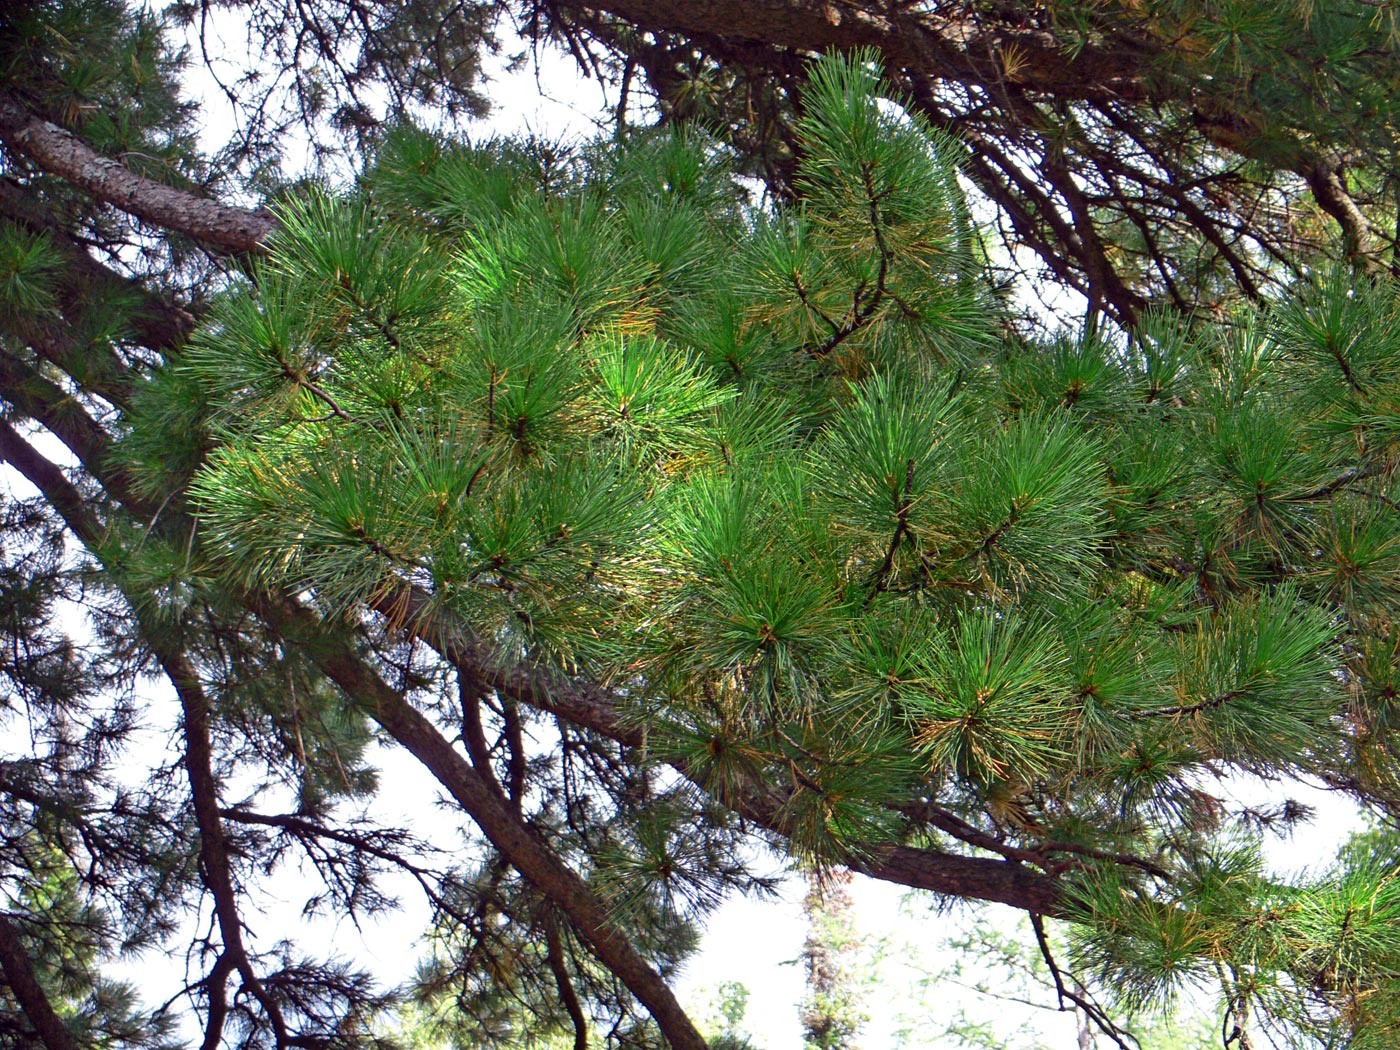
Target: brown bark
x=25, y=987
x=493, y=814
x=1325, y=179
x=215, y=869
x=565, y=986
x=953, y=47
x=62, y=153
x=985, y=72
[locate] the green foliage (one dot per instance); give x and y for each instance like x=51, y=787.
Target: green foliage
x=783, y=480
x=68, y=942
x=836, y=548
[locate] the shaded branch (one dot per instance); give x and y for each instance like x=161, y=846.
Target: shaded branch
x=1062, y=992
x=555, y=954
x=1324, y=177
x=24, y=985
x=215, y=872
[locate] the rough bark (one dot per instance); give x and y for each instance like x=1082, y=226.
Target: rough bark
x=62, y=153
x=493, y=814
x=25, y=987
x=952, y=46
x=1325, y=178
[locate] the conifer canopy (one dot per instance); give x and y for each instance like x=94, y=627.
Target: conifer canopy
x=660, y=520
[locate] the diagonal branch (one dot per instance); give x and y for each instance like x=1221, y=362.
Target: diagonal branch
x=520, y=845
x=1063, y=992
x=1324, y=177
x=24, y=985
x=62, y=153
x=493, y=813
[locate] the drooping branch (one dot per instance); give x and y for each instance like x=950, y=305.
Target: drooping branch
x=1064, y=992
x=492, y=812
x=214, y=865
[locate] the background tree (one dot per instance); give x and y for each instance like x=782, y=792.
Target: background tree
x=831, y=1007
x=731, y=1003
x=1013, y=993
x=648, y=520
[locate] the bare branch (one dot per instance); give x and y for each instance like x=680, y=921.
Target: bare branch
x=62, y=153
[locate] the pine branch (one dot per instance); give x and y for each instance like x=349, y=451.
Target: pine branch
x=586, y=705
x=1186, y=709
x=863, y=305
x=62, y=153
x=959, y=48
x=302, y=829
x=489, y=809
x=157, y=322
x=215, y=869
x=492, y=812
x=567, y=995
x=901, y=529
x=25, y=987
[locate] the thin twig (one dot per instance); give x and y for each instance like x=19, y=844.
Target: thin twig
x=1091, y=1009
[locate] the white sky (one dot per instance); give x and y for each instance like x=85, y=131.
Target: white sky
x=754, y=942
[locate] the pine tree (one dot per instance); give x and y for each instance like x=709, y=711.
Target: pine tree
x=649, y=518
x=773, y=499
